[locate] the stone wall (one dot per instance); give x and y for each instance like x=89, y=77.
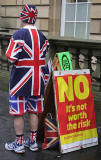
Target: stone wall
x=95, y=24
x=55, y=17
x=49, y=17
x=10, y=11
x=84, y=54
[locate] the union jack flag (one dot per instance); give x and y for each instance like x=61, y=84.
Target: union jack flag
x=29, y=14
x=20, y=105
x=17, y=105
x=50, y=134
x=27, y=50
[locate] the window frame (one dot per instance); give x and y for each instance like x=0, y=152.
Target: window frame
x=63, y=17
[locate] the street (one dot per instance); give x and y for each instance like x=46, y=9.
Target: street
x=7, y=134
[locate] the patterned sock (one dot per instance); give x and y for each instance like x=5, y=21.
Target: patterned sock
x=33, y=136
x=19, y=139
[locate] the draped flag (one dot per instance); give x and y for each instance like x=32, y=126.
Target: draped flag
x=50, y=133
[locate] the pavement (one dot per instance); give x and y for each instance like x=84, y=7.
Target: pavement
x=7, y=134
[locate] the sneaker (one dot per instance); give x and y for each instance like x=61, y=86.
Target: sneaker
x=18, y=148
x=32, y=146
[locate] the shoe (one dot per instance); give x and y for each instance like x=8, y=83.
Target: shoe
x=18, y=148
x=32, y=146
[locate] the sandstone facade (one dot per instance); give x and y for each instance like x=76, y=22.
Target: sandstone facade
x=49, y=17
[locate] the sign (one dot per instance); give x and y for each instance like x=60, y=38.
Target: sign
x=75, y=110
x=65, y=61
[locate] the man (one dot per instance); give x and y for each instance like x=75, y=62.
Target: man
x=27, y=51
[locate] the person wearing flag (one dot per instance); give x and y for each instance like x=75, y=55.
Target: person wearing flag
x=27, y=50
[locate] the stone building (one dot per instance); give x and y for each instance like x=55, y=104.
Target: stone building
x=73, y=18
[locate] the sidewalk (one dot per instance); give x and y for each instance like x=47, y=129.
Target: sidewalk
x=7, y=134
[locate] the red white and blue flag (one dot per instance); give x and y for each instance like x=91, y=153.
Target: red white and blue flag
x=51, y=137
x=27, y=50
x=29, y=14
x=20, y=105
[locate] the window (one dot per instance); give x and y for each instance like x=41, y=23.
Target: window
x=75, y=18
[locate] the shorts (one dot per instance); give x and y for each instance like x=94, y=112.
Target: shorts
x=20, y=105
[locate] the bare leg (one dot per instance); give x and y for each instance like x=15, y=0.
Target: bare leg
x=17, y=145
x=33, y=121
x=19, y=125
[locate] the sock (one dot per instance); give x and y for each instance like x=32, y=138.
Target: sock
x=19, y=139
x=33, y=136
